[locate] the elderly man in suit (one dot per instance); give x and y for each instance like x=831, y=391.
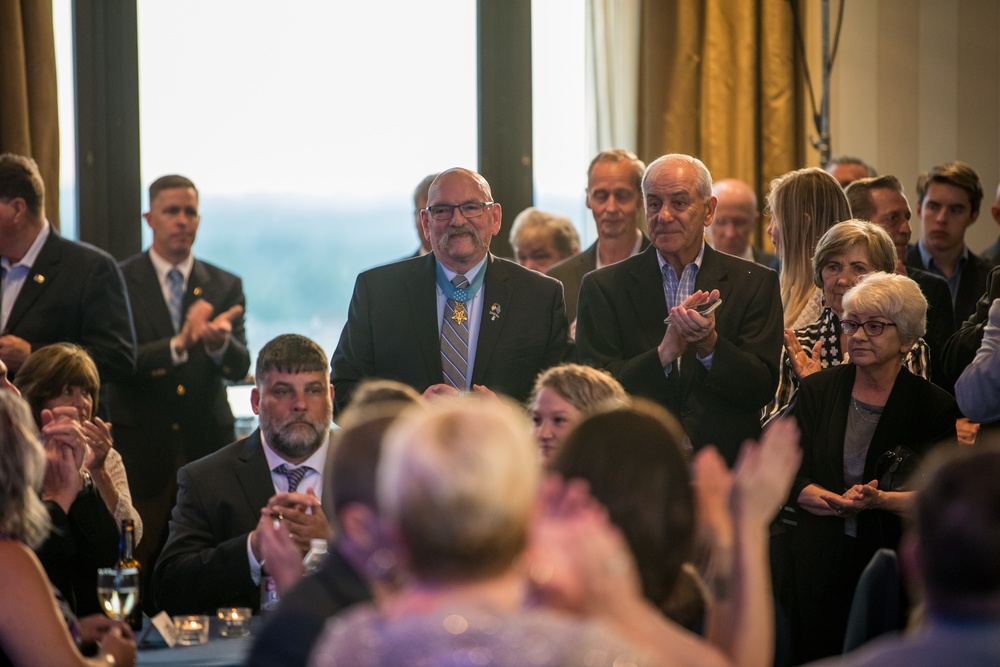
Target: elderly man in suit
x=189, y=325
x=457, y=319
x=55, y=290
x=736, y=216
x=614, y=197
x=212, y=557
x=714, y=371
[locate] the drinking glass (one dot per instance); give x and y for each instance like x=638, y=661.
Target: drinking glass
x=118, y=591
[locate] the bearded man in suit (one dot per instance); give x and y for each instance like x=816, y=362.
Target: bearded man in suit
x=457, y=319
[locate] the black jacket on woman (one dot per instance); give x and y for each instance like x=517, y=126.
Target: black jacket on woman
x=918, y=415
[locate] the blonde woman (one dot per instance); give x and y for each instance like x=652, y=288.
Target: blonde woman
x=803, y=204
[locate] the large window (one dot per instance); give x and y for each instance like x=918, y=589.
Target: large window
x=559, y=111
x=306, y=125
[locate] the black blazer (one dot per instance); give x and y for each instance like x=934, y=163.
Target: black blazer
x=620, y=325
x=940, y=320
x=392, y=329
x=75, y=293
x=961, y=347
x=164, y=408
x=918, y=415
x=570, y=273
x=204, y=564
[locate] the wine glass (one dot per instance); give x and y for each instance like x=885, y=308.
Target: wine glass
x=118, y=591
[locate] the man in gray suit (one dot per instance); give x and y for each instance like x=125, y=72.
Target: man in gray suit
x=614, y=197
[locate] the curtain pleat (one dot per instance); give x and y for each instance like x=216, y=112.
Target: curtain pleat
x=718, y=81
x=29, y=110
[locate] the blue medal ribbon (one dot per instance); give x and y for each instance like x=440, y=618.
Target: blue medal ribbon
x=460, y=295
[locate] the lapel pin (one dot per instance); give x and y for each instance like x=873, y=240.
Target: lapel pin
x=197, y=291
x=39, y=278
x=495, y=312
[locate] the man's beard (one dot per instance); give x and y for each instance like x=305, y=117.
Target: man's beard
x=292, y=438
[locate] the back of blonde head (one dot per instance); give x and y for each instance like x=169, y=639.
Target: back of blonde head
x=804, y=204
x=458, y=480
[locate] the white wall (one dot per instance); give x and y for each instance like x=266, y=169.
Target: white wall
x=915, y=83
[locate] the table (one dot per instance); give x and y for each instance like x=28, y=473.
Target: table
x=218, y=652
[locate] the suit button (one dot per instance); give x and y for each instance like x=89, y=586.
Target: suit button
x=175, y=427
x=181, y=390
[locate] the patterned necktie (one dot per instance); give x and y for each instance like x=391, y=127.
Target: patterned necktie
x=174, y=304
x=455, y=340
x=294, y=475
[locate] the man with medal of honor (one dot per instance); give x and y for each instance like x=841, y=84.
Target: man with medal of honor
x=457, y=319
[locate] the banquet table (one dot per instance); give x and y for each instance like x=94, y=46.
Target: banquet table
x=219, y=651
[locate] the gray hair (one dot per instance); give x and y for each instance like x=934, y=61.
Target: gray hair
x=702, y=175
x=892, y=296
x=845, y=235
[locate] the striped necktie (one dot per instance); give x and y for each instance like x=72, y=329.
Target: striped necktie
x=294, y=475
x=455, y=340
x=176, y=283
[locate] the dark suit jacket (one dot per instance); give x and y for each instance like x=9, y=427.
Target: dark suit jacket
x=75, y=293
x=961, y=347
x=970, y=285
x=570, y=273
x=165, y=409
x=918, y=415
x=204, y=564
x=620, y=325
x=940, y=320
x=765, y=258
x=289, y=635
x=392, y=329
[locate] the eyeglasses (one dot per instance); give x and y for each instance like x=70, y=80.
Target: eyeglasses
x=470, y=209
x=871, y=327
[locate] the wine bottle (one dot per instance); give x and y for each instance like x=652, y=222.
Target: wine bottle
x=127, y=560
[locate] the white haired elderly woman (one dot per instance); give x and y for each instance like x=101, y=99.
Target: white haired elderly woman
x=849, y=250
x=458, y=487
x=851, y=417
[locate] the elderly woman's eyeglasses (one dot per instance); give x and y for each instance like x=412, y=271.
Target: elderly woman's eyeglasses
x=470, y=209
x=871, y=327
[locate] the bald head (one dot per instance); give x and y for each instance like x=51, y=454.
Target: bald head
x=736, y=215
x=461, y=218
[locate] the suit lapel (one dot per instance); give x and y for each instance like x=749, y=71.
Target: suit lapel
x=148, y=296
x=253, y=473
x=496, y=299
x=197, y=283
x=421, y=285
x=43, y=270
x=645, y=289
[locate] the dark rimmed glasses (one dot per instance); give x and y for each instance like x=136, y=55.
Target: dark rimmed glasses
x=470, y=209
x=871, y=327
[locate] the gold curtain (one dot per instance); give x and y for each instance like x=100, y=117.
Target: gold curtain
x=718, y=80
x=29, y=111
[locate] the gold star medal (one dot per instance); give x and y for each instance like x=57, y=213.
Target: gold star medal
x=459, y=315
